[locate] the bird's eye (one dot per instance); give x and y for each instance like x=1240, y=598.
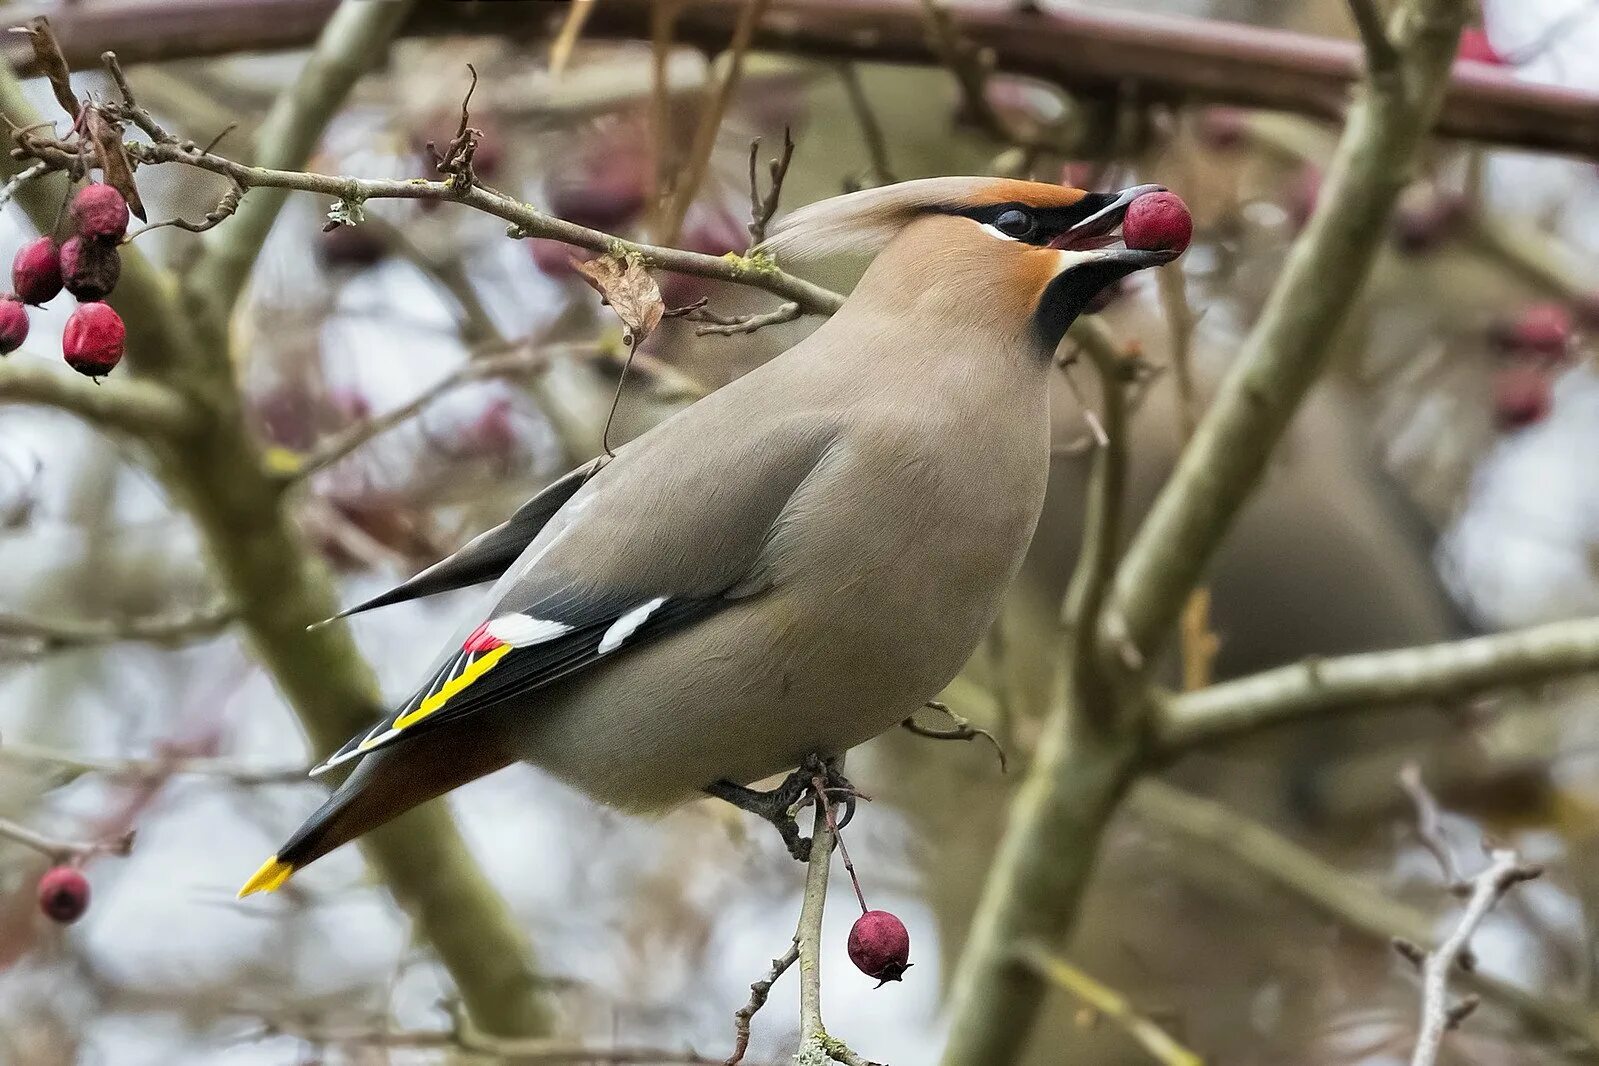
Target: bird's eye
x=1017, y=224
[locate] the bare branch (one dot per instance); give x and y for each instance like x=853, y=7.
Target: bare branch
x=48, y=635
x=1111, y=1004
x=961, y=730
x=691, y=173
x=131, y=406
x=759, y=991
x=64, y=851
x=10, y=188
x=1505, y=870
x=1382, y=58
x=1345, y=899
x=295, y=468
x=465, y=1039
x=728, y=326
x=871, y=128
x=65, y=767
x=224, y=209
x=763, y=207
x=1430, y=824
x=1373, y=680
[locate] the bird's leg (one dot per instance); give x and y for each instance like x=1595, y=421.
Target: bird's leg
x=780, y=805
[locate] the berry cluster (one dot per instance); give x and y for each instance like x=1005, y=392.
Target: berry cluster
x=87, y=265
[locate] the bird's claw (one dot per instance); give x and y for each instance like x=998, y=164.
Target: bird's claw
x=781, y=805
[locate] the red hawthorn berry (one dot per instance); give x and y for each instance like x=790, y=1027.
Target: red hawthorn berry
x=1475, y=47
x=64, y=894
x=93, y=339
x=90, y=268
x=36, y=271
x=880, y=947
x=1223, y=129
x=13, y=324
x=1158, y=221
x=99, y=212
x=555, y=257
x=351, y=246
x=1422, y=225
x=1541, y=329
x=1522, y=396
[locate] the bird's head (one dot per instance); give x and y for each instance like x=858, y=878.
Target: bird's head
x=1017, y=255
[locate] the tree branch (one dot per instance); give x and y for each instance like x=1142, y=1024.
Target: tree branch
x=355, y=40
x=47, y=635
x=1433, y=673
x=1382, y=59
x=1240, y=841
x=66, y=767
x=1292, y=340
x=1112, y=1004
x=129, y=406
x=298, y=467
x=63, y=851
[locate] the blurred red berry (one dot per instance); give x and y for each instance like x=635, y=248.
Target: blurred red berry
x=1304, y=192
x=13, y=324
x=64, y=894
x=1426, y=221
x=1079, y=174
x=36, y=271
x=93, y=339
x=1158, y=221
x=711, y=232
x=1223, y=129
x=351, y=246
x=555, y=257
x=90, y=268
x=1523, y=395
x=880, y=946
x=99, y=212
x=1542, y=329
x=1475, y=47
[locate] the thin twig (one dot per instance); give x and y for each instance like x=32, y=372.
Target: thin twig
x=727, y=326
x=224, y=209
x=295, y=468
x=764, y=206
x=760, y=990
x=1106, y=1001
x=1430, y=824
x=64, y=851
x=65, y=767
x=1505, y=870
x=1382, y=58
x=465, y=1039
x=1218, y=830
x=48, y=635
x=9, y=189
x=871, y=128
x=692, y=174
x=962, y=729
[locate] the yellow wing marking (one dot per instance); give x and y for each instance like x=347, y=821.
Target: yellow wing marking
x=477, y=669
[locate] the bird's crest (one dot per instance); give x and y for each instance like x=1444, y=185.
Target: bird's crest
x=863, y=222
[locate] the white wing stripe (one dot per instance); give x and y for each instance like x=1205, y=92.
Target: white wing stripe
x=520, y=630
x=625, y=626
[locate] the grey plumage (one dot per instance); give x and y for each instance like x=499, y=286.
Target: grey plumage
x=786, y=568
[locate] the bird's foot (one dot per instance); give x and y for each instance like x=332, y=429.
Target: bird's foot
x=781, y=805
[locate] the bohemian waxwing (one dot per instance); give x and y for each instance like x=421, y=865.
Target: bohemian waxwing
x=789, y=566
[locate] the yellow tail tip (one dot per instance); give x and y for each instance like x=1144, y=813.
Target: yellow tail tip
x=269, y=878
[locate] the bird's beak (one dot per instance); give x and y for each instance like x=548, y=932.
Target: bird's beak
x=1097, y=234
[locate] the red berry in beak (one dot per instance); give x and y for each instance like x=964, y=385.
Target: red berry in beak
x=90, y=268
x=1541, y=329
x=1158, y=221
x=36, y=271
x=64, y=894
x=13, y=324
x=879, y=946
x=92, y=342
x=100, y=213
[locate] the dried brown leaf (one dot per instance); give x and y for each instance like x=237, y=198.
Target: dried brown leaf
x=107, y=138
x=630, y=291
x=52, y=62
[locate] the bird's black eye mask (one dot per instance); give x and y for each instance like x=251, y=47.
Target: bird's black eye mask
x=1047, y=226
